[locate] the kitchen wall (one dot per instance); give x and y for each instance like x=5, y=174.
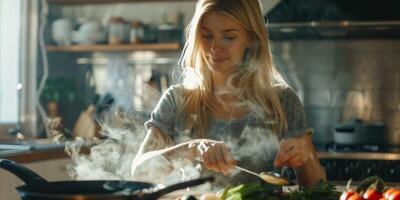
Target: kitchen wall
x=340, y=80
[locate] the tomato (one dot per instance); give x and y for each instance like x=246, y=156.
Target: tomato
x=387, y=193
x=372, y=194
x=346, y=195
x=394, y=195
x=355, y=196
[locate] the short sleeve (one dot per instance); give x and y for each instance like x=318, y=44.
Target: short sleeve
x=295, y=115
x=164, y=114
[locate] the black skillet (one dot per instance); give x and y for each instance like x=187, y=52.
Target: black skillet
x=37, y=188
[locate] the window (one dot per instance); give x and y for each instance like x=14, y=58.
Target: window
x=10, y=20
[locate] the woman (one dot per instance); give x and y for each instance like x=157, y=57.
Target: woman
x=229, y=83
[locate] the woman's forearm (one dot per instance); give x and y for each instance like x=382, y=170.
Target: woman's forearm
x=155, y=149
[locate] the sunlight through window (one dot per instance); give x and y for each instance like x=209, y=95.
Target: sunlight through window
x=10, y=17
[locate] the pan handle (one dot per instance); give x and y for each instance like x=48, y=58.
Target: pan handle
x=178, y=186
x=23, y=173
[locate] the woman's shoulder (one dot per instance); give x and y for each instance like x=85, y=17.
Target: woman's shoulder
x=176, y=89
x=174, y=94
x=286, y=93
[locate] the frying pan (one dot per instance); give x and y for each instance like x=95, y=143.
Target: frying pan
x=37, y=188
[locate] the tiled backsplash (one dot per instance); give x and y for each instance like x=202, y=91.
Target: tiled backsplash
x=339, y=80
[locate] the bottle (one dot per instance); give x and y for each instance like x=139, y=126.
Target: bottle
x=136, y=33
x=116, y=30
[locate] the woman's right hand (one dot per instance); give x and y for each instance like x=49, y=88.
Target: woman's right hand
x=217, y=157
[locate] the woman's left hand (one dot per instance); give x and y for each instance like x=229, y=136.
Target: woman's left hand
x=294, y=152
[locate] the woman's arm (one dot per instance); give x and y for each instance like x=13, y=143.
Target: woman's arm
x=299, y=153
x=157, y=151
x=154, y=140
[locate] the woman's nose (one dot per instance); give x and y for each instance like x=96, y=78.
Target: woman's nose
x=215, y=47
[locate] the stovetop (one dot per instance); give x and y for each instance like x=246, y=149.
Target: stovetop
x=332, y=147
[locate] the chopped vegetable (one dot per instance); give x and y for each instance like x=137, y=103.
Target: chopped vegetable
x=256, y=191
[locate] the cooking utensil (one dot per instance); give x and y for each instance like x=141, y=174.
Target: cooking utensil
x=37, y=188
x=359, y=132
x=269, y=177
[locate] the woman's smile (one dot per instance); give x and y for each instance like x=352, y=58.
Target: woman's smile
x=218, y=60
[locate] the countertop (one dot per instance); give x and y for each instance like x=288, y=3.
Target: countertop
x=32, y=151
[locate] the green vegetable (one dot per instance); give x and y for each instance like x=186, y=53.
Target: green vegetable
x=323, y=190
x=250, y=191
x=372, y=181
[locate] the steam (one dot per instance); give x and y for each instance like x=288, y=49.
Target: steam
x=109, y=158
x=254, y=143
x=123, y=133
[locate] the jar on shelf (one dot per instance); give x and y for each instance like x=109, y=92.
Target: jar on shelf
x=116, y=30
x=137, y=32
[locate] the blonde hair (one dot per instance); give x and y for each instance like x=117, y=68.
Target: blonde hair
x=256, y=80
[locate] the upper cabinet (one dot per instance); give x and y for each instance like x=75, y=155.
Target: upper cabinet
x=117, y=25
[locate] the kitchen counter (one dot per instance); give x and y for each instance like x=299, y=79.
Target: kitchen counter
x=35, y=155
x=389, y=156
x=33, y=151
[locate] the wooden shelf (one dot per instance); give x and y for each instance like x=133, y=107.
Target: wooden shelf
x=106, y=1
x=117, y=47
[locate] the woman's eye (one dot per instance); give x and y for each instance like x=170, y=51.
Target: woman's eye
x=207, y=36
x=229, y=39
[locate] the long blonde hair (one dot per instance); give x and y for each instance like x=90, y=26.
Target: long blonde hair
x=256, y=81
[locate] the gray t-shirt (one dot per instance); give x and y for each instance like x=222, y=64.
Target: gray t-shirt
x=251, y=144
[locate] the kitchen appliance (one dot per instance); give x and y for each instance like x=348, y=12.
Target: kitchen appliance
x=37, y=188
x=359, y=132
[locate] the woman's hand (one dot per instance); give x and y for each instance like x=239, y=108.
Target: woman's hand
x=299, y=154
x=294, y=152
x=217, y=157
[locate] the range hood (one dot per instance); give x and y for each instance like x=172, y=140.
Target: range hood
x=334, y=19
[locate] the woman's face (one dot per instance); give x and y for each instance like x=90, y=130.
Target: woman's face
x=223, y=42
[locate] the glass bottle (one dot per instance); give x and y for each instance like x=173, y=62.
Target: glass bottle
x=137, y=32
x=116, y=30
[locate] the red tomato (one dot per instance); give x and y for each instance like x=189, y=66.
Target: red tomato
x=355, y=196
x=387, y=193
x=346, y=195
x=394, y=195
x=372, y=194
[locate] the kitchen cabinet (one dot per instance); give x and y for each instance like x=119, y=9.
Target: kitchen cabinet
x=51, y=170
x=84, y=70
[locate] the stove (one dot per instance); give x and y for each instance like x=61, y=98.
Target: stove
x=356, y=162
